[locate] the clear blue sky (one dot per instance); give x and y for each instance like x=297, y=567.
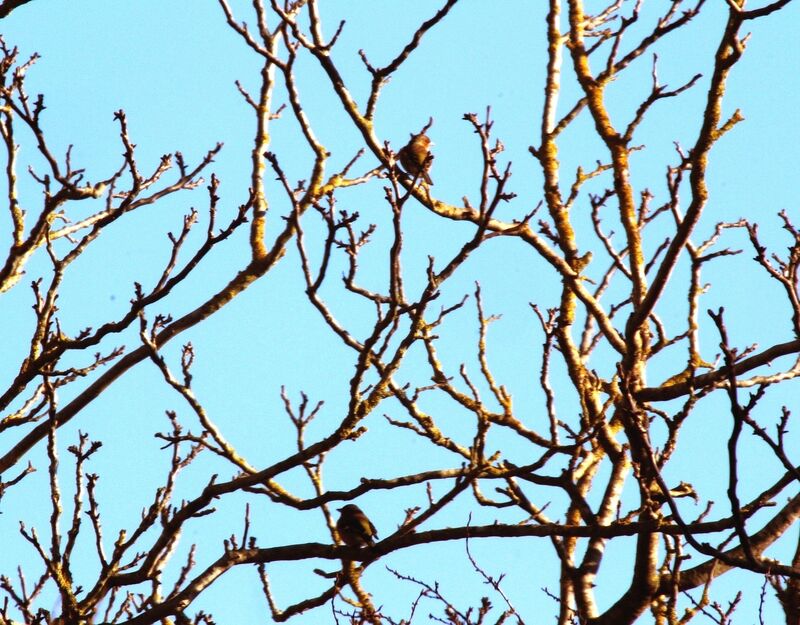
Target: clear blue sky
x=171, y=65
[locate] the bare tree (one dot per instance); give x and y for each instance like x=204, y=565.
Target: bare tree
x=591, y=469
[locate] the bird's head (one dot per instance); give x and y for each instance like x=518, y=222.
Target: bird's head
x=421, y=139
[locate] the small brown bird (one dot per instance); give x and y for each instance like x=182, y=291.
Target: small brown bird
x=415, y=157
x=354, y=528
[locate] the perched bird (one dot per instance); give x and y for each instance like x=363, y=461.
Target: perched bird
x=415, y=157
x=354, y=528
x=684, y=489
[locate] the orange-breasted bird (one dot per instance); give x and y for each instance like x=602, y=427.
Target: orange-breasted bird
x=354, y=528
x=415, y=157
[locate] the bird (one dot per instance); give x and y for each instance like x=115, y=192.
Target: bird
x=684, y=489
x=415, y=157
x=354, y=528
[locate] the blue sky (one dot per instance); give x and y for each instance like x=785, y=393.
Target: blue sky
x=171, y=65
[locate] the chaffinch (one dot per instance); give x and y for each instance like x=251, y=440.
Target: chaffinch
x=415, y=157
x=354, y=528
